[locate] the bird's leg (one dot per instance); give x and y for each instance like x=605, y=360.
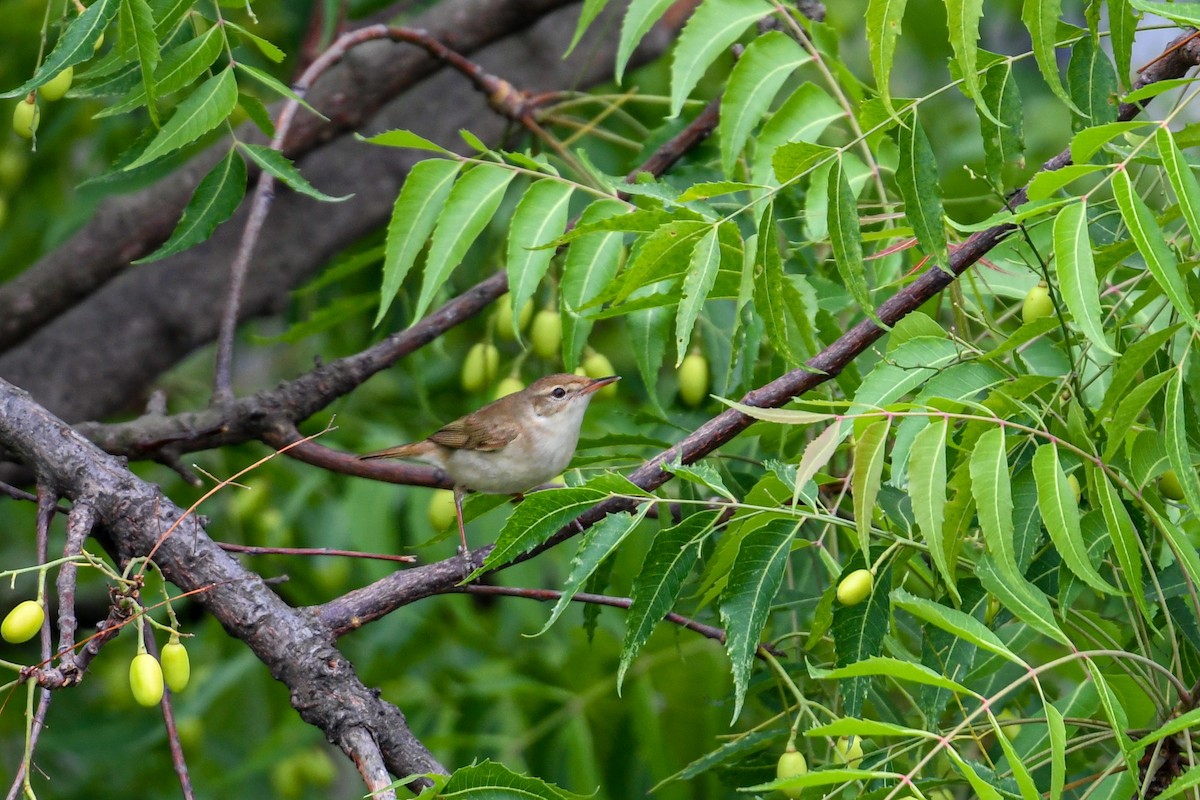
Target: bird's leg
x=463, y=550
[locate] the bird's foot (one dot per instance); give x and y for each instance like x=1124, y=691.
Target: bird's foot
x=469, y=562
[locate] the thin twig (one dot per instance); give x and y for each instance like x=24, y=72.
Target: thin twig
x=249, y=550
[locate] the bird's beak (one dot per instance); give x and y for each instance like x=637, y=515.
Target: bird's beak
x=600, y=383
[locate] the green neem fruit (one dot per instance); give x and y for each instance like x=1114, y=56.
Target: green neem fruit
x=23, y=622
x=1170, y=487
x=791, y=764
x=546, y=334
x=176, y=667
x=1037, y=304
x=504, y=316
x=56, y=87
x=849, y=750
x=597, y=365
x=855, y=587
x=507, y=386
x=480, y=366
x=146, y=680
x=441, y=509
x=1076, y=489
x=26, y=117
x=693, y=379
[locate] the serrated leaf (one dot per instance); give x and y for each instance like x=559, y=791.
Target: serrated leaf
x=753, y=583
x=818, y=452
x=639, y=18
x=713, y=27
x=284, y=170
x=74, y=46
x=590, y=265
x=962, y=19
x=883, y=29
x=982, y=789
x=591, y=9
x=1124, y=538
x=1122, y=27
x=1005, y=142
x=701, y=474
x=992, y=489
x=540, y=217
x=200, y=112
x=266, y=48
x=868, y=470
x=1060, y=514
x=794, y=159
x=178, y=68
x=1089, y=141
x=927, y=487
x=1020, y=597
x=1175, y=438
x=892, y=668
x=955, y=622
x=753, y=83
x=672, y=555
x=278, y=87
x=420, y=200
x=858, y=634
x=599, y=542
x=405, y=138
x=848, y=726
x=1129, y=367
x=491, y=781
x=1183, y=180
x=665, y=252
x=137, y=20
x=697, y=283
x=535, y=519
x=472, y=203
x=1129, y=409
x=1148, y=236
x=1077, y=273
x=803, y=117
x=1092, y=83
x=1041, y=20
x=216, y=197
x=821, y=777
x=1183, y=13
x=776, y=298
x=740, y=746
x=1118, y=719
x=258, y=113
x=921, y=187
x=649, y=330
x=845, y=236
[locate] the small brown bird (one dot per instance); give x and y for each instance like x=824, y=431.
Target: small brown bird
x=510, y=445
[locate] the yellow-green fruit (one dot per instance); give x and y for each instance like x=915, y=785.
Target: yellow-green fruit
x=99, y=43
x=1170, y=487
x=1076, y=489
x=504, y=316
x=23, y=622
x=597, y=365
x=693, y=379
x=441, y=509
x=26, y=117
x=849, y=750
x=176, y=667
x=546, y=334
x=855, y=587
x=1037, y=304
x=317, y=767
x=791, y=764
x=940, y=794
x=480, y=366
x=1010, y=731
x=507, y=386
x=13, y=166
x=287, y=777
x=146, y=680
x=56, y=87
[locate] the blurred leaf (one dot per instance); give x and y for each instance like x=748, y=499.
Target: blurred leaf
x=75, y=46
x=639, y=19
x=178, y=69
x=591, y=9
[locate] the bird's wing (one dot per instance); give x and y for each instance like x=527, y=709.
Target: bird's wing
x=471, y=433
x=411, y=450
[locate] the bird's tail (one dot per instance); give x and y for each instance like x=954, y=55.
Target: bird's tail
x=411, y=450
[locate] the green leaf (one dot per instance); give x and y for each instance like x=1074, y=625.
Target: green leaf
x=982, y=789
x=1124, y=538
x=258, y=113
x=892, y=668
x=1129, y=367
x=591, y=9
x=753, y=583
x=1016, y=763
x=713, y=27
x=962, y=18
x=590, y=265
x=284, y=170
x=1024, y=600
x=1122, y=26
x=648, y=332
x=536, y=519
x=600, y=541
x=701, y=474
x=991, y=486
x=639, y=18
x=1041, y=19
x=75, y=46
x=216, y=197
x=955, y=622
x=794, y=159
x=757, y=76
x=868, y=470
x=278, y=87
x=178, y=68
x=540, y=217
x=137, y=20
x=1183, y=13
x=1089, y=141
x=1118, y=719
x=927, y=488
x=1077, y=273
x=403, y=138
x=1151, y=243
x=701, y=275
x=1175, y=437
x=1060, y=515
x=672, y=555
x=803, y=117
x=776, y=298
x=472, y=203
x=848, y=726
x=1130, y=409
x=1003, y=143
x=491, y=781
x=858, y=634
x=921, y=188
x=883, y=29
x=845, y=236
x=818, y=453
x=1183, y=180
x=421, y=199
x=664, y=253
x=200, y=112
x=1092, y=82
x=266, y=48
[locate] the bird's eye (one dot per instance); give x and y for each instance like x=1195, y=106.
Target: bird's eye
x=559, y=393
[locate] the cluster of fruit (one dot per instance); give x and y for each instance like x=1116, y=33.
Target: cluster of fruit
x=146, y=673
x=27, y=115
